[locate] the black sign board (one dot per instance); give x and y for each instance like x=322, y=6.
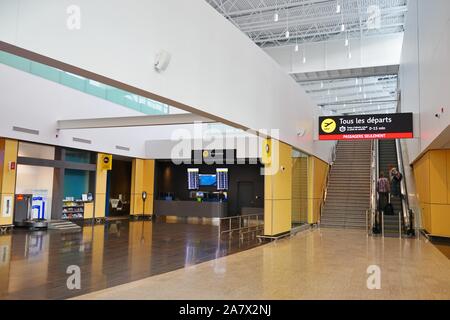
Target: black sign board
x=361, y=127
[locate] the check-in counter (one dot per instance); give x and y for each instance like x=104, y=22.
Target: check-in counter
x=191, y=209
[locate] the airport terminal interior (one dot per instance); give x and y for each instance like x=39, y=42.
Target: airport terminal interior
x=224, y=149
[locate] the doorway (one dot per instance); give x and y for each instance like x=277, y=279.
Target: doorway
x=246, y=195
x=119, y=188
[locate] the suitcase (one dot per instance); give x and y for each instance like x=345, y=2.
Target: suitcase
x=389, y=208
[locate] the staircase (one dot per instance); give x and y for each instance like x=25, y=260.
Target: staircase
x=387, y=153
x=63, y=225
x=348, y=195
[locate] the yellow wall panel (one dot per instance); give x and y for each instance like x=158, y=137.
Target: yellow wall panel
x=277, y=216
x=426, y=217
x=448, y=176
x=278, y=190
x=88, y=210
x=317, y=174
x=142, y=179
x=100, y=188
x=432, y=175
x=8, y=153
x=438, y=177
x=440, y=220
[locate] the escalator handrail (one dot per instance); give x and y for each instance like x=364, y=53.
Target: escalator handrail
x=403, y=189
x=371, y=213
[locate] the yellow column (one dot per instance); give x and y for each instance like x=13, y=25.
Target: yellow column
x=317, y=176
x=432, y=175
x=142, y=179
x=277, y=187
x=8, y=154
x=100, y=186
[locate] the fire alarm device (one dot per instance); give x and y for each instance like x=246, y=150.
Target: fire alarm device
x=11, y=165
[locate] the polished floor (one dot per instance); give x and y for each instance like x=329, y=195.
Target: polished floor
x=33, y=265
x=317, y=264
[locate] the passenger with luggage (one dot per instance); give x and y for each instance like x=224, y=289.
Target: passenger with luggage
x=396, y=178
x=383, y=189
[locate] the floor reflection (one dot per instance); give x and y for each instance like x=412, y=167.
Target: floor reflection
x=33, y=265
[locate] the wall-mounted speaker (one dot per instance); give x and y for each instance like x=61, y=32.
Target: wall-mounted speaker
x=162, y=60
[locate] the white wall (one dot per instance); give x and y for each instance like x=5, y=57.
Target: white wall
x=425, y=70
x=215, y=68
x=333, y=55
x=31, y=102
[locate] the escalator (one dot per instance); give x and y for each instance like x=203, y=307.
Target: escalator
x=387, y=154
x=388, y=159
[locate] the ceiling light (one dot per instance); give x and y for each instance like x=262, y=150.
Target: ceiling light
x=304, y=60
x=356, y=81
x=346, y=42
x=342, y=27
x=338, y=8
x=349, y=55
x=276, y=17
x=360, y=89
x=287, y=34
x=296, y=48
x=321, y=85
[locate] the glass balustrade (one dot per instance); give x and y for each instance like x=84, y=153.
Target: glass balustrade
x=88, y=86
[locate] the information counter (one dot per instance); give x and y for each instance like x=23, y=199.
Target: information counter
x=191, y=209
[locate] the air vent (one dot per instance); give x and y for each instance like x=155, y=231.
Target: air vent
x=25, y=130
x=122, y=148
x=82, y=140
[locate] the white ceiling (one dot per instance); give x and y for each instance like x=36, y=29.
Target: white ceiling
x=312, y=20
x=355, y=95
x=357, y=90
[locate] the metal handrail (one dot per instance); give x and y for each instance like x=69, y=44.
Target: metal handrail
x=244, y=224
x=327, y=180
x=405, y=223
x=371, y=213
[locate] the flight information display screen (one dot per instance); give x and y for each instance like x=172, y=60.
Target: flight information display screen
x=222, y=179
x=207, y=180
x=193, y=179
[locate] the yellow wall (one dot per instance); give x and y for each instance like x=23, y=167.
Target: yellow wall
x=278, y=190
x=300, y=190
x=100, y=188
x=142, y=179
x=317, y=174
x=432, y=174
x=8, y=153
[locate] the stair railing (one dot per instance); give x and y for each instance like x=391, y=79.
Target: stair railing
x=326, y=182
x=406, y=215
x=371, y=213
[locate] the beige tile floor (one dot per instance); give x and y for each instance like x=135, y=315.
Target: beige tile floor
x=318, y=264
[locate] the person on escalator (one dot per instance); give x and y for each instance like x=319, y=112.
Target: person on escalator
x=383, y=189
x=395, y=182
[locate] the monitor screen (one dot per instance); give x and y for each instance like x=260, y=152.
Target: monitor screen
x=207, y=179
x=193, y=178
x=222, y=178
